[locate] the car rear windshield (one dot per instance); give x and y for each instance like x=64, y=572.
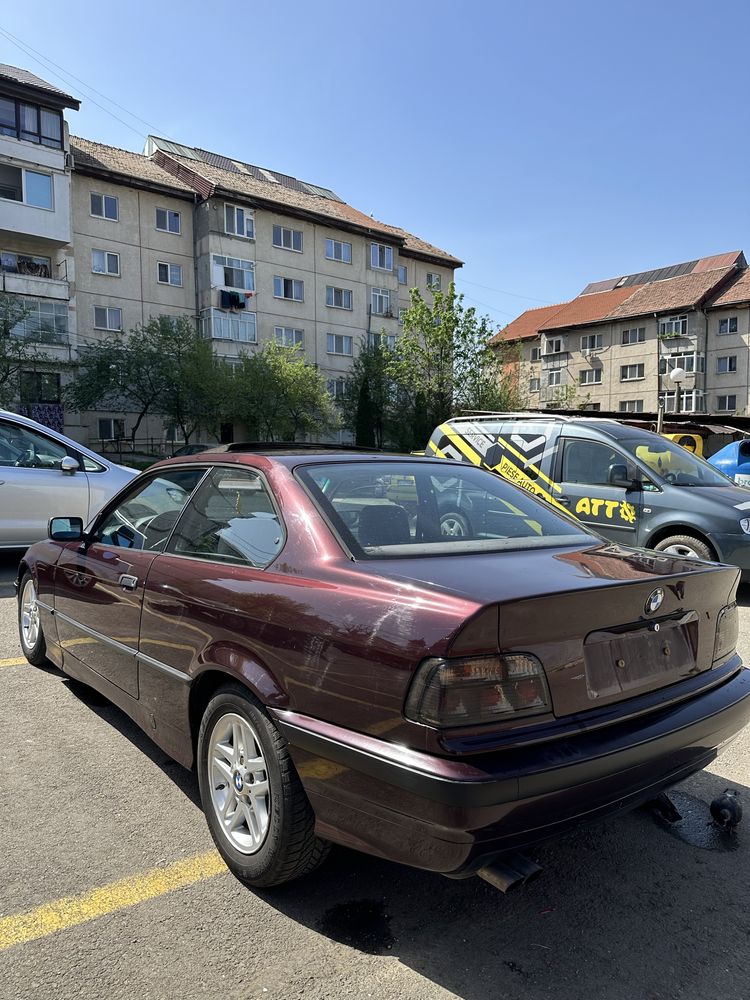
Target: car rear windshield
x=674, y=464
x=383, y=509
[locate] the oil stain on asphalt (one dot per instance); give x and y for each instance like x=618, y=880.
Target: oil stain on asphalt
x=361, y=923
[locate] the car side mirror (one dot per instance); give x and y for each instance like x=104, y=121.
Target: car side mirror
x=69, y=465
x=65, y=529
x=618, y=476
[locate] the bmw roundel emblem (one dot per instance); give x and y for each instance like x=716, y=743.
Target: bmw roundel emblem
x=238, y=781
x=654, y=602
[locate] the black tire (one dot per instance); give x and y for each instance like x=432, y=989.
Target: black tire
x=35, y=652
x=290, y=848
x=687, y=546
x=454, y=525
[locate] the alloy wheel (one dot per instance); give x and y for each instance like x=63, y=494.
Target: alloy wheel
x=29, y=616
x=238, y=776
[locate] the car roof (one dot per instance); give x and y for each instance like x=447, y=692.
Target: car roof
x=291, y=455
x=603, y=425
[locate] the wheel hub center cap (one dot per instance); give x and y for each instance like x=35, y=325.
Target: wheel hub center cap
x=239, y=781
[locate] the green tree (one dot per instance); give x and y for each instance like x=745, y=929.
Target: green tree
x=163, y=367
x=17, y=354
x=280, y=398
x=367, y=403
x=443, y=363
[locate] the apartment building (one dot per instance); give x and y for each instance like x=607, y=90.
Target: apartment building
x=251, y=254
x=614, y=346
x=36, y=257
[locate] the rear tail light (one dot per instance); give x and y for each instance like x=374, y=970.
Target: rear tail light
x=727, y=632
x=477, y=689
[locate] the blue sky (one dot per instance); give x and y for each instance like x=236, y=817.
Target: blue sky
x=546, y=144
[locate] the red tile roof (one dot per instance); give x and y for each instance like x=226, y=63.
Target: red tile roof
x=91, y=156
x=329, y=209
x=589, y=308
x=736, y=291
x=685, y=292
x=528, y=324
x=719, y=260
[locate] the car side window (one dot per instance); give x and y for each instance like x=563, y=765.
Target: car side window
x=593, y=463
x=230, y=519
x=149, y=511
x=26, y=449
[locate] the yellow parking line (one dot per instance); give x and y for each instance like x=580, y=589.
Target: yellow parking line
x=16, y=662
x=73, y=910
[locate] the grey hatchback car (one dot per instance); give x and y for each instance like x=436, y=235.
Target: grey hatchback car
x=42, y=472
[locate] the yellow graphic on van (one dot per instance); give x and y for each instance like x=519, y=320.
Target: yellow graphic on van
x=513, y=474
x=529, y=465
x=596, y=507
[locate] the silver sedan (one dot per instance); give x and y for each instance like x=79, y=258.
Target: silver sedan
x=44, y=473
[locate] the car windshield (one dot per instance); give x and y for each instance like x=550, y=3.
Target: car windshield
x=382, y=509
x=674, y=464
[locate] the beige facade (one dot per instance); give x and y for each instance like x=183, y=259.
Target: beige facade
x=249, y=255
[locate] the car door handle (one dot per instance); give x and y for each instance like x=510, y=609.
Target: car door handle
x=565, y=501
x=128, y=582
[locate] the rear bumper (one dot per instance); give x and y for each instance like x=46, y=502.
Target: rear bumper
x=451, y=815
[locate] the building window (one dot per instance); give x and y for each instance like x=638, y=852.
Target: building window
x=690, y=401
x=631, y=406
x=381, y=257
x=728, y=325
x=434, y=282
x=536, y=353
x=337, y=388
x=232, y=272
x=336, y=250
x=534, y=385
x=107, y=318
x=239, y=222
x=105, y=262
x=337, y=343
x=726, y=364
x=338, y=298
x=595, y=407
x=26, y=264
x=381, y=302
x=635, y=335
x=286, y=336
x=401, y=314
x=402, y=278
x=111, y=428
x=104, y=206
x=39, y=387
x=590, y=376
x=170, y=274
x=46, y=322
x=288, y=288
x=287, y=239
x=591, y=342
x=553, y=377
x=381, y=340
x=628, y=373
x=726, y=403
x=168, y=221
x=241, y=328
x=554, y=345
x=28, y=186
x=31, y=122
x=689, y=361
x=674, y=326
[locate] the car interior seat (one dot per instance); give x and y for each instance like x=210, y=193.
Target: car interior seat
x=383, y=524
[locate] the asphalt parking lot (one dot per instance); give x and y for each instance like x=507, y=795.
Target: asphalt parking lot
x=109, y=886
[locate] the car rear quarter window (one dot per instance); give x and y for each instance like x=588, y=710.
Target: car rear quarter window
x=230, y=519
x=381, y=509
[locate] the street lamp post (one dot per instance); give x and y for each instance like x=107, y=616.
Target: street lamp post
x=676, y=376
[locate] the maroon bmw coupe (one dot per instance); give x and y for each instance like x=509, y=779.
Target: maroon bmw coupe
x=308, y=631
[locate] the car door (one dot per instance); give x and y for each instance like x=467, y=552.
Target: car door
x=591, y=474
x=33, y=485
x=99, y=584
